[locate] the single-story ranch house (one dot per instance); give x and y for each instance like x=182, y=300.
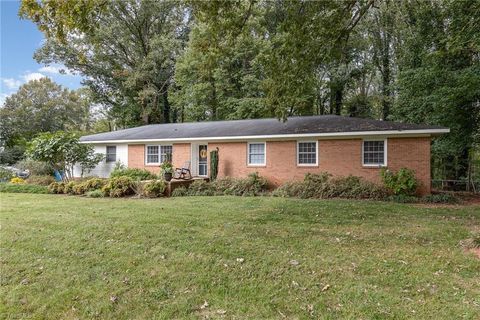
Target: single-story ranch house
x=278, y=151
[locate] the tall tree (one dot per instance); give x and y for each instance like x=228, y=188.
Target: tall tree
x=42, y=106
x=125, y=49
x=439, y=77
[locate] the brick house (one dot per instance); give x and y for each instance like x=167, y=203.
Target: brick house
x=279, y=151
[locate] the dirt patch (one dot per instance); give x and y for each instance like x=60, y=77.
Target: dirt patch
x=475, y=251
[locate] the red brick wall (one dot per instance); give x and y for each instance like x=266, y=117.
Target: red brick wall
x=338, y=157
x=136, y=156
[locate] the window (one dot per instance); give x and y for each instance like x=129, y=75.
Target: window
x=307, y=153
x=256, y=153
x=111, y=154
x=158, y=154
x=374, y=153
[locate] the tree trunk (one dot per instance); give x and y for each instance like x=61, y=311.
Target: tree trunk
x=166, y=107
x=386, y=78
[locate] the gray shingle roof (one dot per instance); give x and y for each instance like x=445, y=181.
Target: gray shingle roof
x=327, y=124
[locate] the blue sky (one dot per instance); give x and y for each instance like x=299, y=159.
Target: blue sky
x=19, y=40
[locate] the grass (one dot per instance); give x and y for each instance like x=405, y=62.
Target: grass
x=22, y=188
x=69, y=257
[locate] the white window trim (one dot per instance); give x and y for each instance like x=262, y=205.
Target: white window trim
x=264, y=151
x=106, y=153
x=159, y=152
x=316, y=154
x=385, y=154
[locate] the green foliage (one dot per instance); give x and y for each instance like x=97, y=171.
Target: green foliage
x=322, y=186
x=166, y=167
x=22, y=188
x=213, y=165
x=403, y=182
x=6, y=175
x=201, y=188
x=119, y=187
x=41, y=106
x=448, y=198
x=56, y=187
x=94, y=194
x=11, y=155
x=69, y=187
x=36, y=168
x=154, y=189
x=180, y=192
x=45, y=180
x=82, y=187
x=133, y=173
x=127, y=50
x=62, y=151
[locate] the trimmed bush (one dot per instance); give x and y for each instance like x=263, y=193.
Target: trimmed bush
x=68, y=188
x=94, y=194
x=201, y=188
x=133, y=173
x=401, y=182
x=56, y=187
x=119, y=187
x=322, y=186
x=179, y=192
x=40, y=180
x=22, y=188
x=89, y=185
x=17, y=180
x=447, y=198
x=154, y=188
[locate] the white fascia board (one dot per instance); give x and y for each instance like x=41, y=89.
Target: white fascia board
x=330, y=135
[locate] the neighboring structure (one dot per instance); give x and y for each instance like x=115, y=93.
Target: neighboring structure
x=279, y=151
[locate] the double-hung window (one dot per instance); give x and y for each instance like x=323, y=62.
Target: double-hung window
x=111, y=154
x=374, y=153
x=256, y=154
x=158, y=154
x=307, y=153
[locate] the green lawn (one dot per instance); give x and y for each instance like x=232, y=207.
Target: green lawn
x=67, y=257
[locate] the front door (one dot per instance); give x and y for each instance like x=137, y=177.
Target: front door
x=202, y=160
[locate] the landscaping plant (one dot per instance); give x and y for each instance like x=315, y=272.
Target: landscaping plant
x=154, y=188
x=401, y=182
x=119, y=187
x=133, y=173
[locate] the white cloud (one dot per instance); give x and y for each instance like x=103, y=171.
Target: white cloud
x=11, y=83
x=55, y=70
x=33, y=76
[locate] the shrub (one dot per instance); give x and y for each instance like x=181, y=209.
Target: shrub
x=36, y=168
x=201, y=188
x=56, y=187
x=402, y=182
x=68, y=188
x=253, y=185
x=40, y=180
x=6, y=175
x=322, y=186
x=441, y=198
x=94, y=194
x=119, y=187
x=133, y=173
x=88, y=185
x=153, y=189
x=17, y=180
x=22, y=188
x=180, y=192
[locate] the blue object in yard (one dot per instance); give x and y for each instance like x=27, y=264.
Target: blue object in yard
x=57, y=175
